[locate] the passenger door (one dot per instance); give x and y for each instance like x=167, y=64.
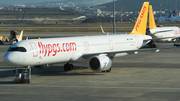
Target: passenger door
x=34, y=49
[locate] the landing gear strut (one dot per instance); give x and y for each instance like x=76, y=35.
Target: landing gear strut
x=68, y=67
x=152, y=44
x=1, y=43
x=109, y=70
x=176, y=42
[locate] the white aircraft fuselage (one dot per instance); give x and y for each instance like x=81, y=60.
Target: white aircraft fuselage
x=70, y=49
x=160, y=32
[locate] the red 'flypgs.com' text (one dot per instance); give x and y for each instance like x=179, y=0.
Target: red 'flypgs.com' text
x=53, y=49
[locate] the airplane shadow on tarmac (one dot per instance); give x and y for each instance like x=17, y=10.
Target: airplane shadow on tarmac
x=53, y=71
x=59, y=71
x=6, y=74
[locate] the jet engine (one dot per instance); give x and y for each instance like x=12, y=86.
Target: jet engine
x=148, y=31
x=100, y=63
x=44, y=66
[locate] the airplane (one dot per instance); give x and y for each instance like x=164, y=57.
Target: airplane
x=2, y=39
x=13, y=38
x=170, y=18
x=99, y=51
x=164, y=34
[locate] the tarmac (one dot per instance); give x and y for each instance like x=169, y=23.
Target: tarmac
x=147, y=76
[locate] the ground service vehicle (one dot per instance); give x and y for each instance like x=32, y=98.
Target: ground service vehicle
x=23, y=75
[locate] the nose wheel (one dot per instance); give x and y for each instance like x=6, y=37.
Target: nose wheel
x=68, y=67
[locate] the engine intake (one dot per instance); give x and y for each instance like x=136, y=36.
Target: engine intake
x=100, y=63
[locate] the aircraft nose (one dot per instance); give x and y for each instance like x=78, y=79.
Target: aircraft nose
x=7, y=58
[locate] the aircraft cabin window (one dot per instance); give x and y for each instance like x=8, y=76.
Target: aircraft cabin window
x=19, y=49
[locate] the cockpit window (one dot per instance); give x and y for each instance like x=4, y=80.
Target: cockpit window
x=19, y=49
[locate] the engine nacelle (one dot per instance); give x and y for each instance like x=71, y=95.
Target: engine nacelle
x=100, y=63
x=44, y=66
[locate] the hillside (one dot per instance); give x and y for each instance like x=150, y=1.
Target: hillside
x=31, y=13
x=135, y=5
x=38, y=14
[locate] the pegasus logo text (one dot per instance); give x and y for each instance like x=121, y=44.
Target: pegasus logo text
x=140, y=19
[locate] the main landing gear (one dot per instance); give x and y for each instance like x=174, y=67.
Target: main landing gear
x=1, y=42
x=109, y=70
x=176, y=42
x=152, y=44
x=68, y=67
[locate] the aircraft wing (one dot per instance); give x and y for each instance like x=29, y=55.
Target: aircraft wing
x=88, y=55
x=163, y=38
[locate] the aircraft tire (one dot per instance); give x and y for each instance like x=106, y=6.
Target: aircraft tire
x=1, y=43
x=70, y=67
x=153, y=46
x=109, y=70
x=66, y=67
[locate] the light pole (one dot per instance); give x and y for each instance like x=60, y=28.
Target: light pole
x=121, y=13
x=176, y=9
x=160, y=7
x=114, y=24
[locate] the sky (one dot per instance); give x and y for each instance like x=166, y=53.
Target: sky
x=12, y=2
